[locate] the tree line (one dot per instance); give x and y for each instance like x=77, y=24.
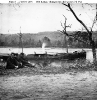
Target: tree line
x=79, y=40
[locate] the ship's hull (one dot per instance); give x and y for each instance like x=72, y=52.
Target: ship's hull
x=58, y=56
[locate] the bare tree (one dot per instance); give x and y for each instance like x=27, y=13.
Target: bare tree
x=65, y=32
x=89, y=32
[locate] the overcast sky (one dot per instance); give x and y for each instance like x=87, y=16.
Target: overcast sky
x=39, y=17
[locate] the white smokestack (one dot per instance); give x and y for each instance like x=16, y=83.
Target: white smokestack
x=43, y=47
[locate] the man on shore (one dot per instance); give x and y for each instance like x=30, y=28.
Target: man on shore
x=24, y=61
x=12, y=63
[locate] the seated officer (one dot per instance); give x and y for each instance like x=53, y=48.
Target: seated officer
x=24, y=61
x=12, y=62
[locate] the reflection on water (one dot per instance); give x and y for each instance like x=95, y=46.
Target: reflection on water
x=89, y=56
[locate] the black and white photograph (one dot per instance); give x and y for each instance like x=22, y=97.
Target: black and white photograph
x=48, y=50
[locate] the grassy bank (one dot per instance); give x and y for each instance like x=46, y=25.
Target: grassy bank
x=57, y=80
x=54, y=67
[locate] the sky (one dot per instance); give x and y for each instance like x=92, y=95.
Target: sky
x=40, y=17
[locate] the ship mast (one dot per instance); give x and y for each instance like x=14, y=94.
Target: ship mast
x=20, y=38
x=66, y=42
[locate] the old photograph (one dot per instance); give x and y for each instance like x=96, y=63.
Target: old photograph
x=48, y=50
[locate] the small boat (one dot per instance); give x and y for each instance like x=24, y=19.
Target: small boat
x=4, y=56
x=3, y=60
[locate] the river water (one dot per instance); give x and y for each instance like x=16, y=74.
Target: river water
x=44, y=50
